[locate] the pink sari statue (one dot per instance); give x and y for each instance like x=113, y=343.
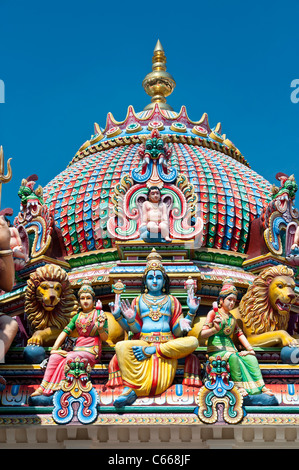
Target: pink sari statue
x=91, y=326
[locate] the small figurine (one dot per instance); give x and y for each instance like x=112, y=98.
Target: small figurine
x=91, y=326
x=149, y=361
x=219, y=327
x=155, y=216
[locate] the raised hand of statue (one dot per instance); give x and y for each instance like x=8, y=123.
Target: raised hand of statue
x=4, y=234
x=101, y=315
x=193, y=302
x=185, y=324
x=217, y=323
x=127, y=311
x=115, y=306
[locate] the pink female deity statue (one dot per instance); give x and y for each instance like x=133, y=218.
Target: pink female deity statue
x=91, y=326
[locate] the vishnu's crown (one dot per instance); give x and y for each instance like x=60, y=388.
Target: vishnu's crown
x=154, y=262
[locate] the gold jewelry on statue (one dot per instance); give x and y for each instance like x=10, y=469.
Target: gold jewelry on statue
x=228, y=288
x=155, y=305
x=154, y=262
x=84, y=325
x=86, y=288
x=5, y=252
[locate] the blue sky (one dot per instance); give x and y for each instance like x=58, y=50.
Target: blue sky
x=66, y=64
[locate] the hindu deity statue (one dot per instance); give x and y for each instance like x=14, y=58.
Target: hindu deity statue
x=148, y=361
x=155, y=215
x=90, y=324
x=19, y=241
x=8, y=326
x=153, y=202
x=220, y=327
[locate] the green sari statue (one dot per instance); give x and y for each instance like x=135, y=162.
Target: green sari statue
x=219, y=328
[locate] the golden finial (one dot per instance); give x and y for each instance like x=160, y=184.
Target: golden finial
x=158, y=84
x=4, y=178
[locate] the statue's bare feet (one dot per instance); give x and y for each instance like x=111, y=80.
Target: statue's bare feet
x=141, y=353
x=267, y=391
x=38, y=392
x=126, y=398
x=243, y=392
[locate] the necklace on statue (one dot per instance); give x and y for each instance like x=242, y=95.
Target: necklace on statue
x=84, y=324
x=155, y=305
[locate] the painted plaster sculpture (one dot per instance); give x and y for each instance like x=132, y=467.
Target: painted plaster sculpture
x=155, y=219
x=19, y=241
x=35, y=216
x=20, y=246
x=276, y=230
x=219, y=327
x=8, y=325
x=219, y=400
x=281, y=215
x=77, y=400
x=264, y=311
x=50, y=304
x=172, y=214
x=97, y=208
x=148, y=362
x=90, y=324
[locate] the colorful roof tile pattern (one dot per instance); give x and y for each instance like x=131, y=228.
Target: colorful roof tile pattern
x=230, y=194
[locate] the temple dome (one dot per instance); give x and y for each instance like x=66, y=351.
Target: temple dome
x=229, y=192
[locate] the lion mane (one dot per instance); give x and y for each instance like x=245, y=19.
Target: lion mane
x=38, y=317
x=255, y=307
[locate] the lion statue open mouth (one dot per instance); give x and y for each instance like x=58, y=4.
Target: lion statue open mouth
x=264, y=311
x=49, y=304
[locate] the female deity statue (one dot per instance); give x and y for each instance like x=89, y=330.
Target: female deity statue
x=91, y=326
x=219, y=327
x=149, y=361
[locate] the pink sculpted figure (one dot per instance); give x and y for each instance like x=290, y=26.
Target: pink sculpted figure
x=8, y=326
x=154, y=214
x=295, y=245
x=19, y=251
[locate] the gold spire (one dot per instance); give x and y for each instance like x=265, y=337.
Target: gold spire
x=158, y=84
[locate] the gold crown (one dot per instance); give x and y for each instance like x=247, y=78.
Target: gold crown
x=154, y=262
x=228, y=287
x=86, y=288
